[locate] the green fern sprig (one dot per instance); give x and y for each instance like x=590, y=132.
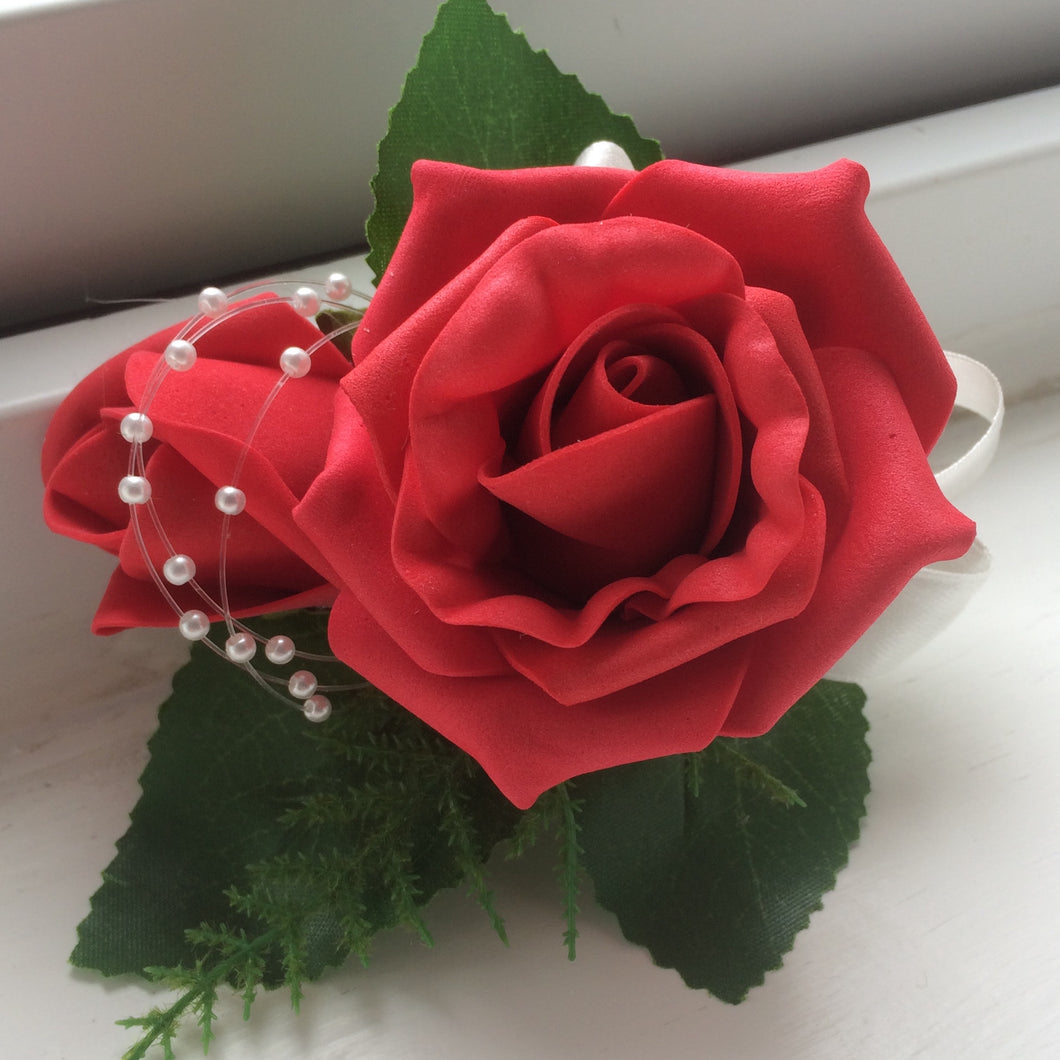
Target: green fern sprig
x=457, y=824
x=570, y=863
x=555, y=815
x=237, y=959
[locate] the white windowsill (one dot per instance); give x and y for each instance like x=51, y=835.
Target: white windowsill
x=940, y=939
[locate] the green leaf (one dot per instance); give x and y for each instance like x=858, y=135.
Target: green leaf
x=480, y=96
x=322, y=835
x=224, y=763
x=710, y=861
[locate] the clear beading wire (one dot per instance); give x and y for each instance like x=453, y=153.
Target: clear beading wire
x=193, y=331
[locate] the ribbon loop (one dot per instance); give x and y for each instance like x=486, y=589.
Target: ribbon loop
x=978, y=391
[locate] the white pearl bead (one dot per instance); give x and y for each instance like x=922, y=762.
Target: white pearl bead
x=230, y=500
x=134, y=489
x=604, y=153
x=295, y=362
x=317, y=708
x=180, y=355
x=136, y=427
x=178, y=569
x=212, y=302
x=279, y=650
x=240, y=647
x=306, y=302
x=338, y=286
x=193, y=625
x=302, y=684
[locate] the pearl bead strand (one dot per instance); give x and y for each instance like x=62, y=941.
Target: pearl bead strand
x=179, y=570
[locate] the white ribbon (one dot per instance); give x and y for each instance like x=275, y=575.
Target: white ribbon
x=978, y=391
x=938, y=593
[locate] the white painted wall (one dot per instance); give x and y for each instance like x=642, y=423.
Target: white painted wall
x=152, y=144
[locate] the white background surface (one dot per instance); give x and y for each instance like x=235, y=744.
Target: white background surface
x=941, y=939
x=144, y=143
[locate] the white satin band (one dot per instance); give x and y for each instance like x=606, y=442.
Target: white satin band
x=978, y=391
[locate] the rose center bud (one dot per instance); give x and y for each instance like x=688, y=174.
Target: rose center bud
x=618, y=457
x=625, y=383
x=644, y=378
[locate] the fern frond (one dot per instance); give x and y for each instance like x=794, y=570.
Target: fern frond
x=199, y=990
x=206, y=1016
x=459, y=828
x=570, y=863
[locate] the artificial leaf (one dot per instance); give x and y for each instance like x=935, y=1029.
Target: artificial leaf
x=221, y=771
x=333, y=320
x=480, y=96
x=323, y=835
x=710, y=861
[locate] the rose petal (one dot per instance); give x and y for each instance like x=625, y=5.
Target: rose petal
x=625, y=377
x=81, y=492
x=257, y=331
x=79, y=413
x=561, y=412
x=821, y=462
x=126, y=604
x=440, y=241
x=206, y=415
x=615, y=486
x=899, y=521
x=624, y=653
x=350, y=516
x=624, y=384
x=184, y=502
x=524, y=740
x=381, y=385
x=578, y=398
x=806, y=235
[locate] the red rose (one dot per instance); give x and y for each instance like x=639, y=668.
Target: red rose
x=200, y=420
x=628, y=460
